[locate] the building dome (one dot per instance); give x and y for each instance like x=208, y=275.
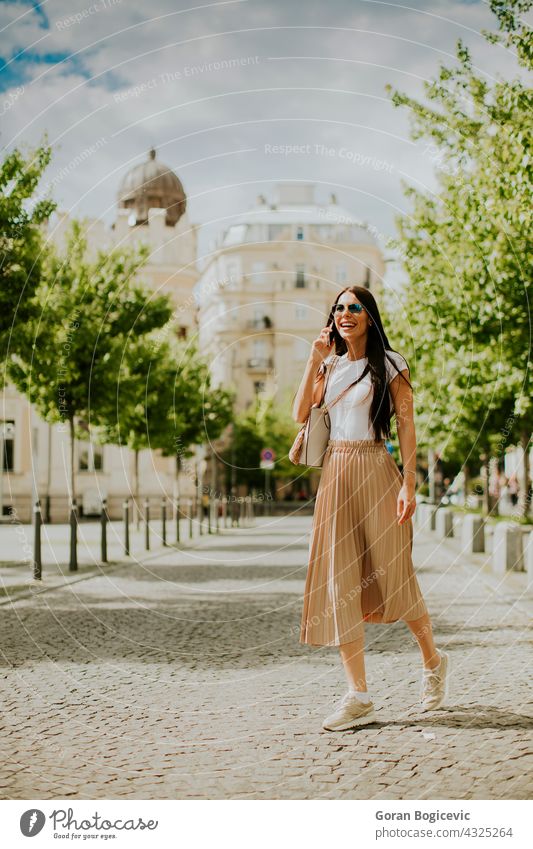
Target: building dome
x=152, y=184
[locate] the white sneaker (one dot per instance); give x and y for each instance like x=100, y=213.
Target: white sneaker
x=350, y=713
x=435, y=684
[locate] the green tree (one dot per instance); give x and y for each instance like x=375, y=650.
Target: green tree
x=21, y=240
x=69, y=364
x=138, y=417
x=467, y=250
x=266, y=423
x=241, y=458
x=200, y=412
x=165, y=401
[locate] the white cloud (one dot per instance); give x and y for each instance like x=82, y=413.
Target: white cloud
x=334, y=96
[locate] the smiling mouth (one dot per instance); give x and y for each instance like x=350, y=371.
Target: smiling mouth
x=347, y=324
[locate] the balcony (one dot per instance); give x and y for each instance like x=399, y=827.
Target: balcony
x=259, y=363
x=263, y=323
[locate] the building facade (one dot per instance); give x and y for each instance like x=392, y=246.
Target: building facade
x=151, y=209
x=267, y=288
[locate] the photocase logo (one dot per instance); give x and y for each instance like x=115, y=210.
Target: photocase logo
x=32, y=822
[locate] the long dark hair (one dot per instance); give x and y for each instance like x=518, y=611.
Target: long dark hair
x=377, y=344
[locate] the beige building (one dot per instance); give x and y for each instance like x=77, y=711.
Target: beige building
x=152, y=210
x=267, y=288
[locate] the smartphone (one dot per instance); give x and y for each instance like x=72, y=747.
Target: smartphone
x=331, y=334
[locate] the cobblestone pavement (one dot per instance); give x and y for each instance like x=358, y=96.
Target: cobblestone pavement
x=184, y=678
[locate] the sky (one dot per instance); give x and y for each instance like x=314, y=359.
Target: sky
x=235, y=96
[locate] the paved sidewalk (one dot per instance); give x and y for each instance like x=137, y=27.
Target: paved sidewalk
x=183, y=678
x=17, y=552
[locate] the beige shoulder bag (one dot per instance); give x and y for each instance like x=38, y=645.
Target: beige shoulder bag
x=311, y=441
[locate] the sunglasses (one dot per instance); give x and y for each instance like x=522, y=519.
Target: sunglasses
x=353, y=308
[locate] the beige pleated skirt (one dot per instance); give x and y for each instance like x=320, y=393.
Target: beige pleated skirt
x=360, y=565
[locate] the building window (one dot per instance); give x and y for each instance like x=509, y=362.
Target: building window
x=8, y=444
x=90, y=457
x=301, y=311
x=300, y=234
x=182, y=332
x=340, y=274
x=259, y=386
x=324, y=232
x=231, y=273
x=258, y=274
x=256, y=233
x=367, y=277
x=300, y=276
x=259, y=349
x=275, y=231
x=301, y=349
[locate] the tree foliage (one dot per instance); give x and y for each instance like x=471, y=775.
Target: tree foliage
x=69, y=361
x=21, y=240
x=467, y=250
x=264, y=424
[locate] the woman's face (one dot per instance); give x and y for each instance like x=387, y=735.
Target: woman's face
x=351, y=326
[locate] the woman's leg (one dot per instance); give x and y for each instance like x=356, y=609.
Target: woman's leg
x=422, y=630
x=353, y=659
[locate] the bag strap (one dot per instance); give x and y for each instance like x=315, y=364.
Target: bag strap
x=328, y=374
x=344, y=391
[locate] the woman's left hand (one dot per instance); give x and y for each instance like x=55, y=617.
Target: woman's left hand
x=406, y=502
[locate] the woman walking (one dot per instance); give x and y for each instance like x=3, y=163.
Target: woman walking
x=360, y=567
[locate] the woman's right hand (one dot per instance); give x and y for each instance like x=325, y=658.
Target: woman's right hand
x=321, y=346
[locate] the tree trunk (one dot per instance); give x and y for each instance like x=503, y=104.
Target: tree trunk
x=494, y=470
x=466, y=470
x=136, y=489
x=72, y=452
x=525, y=482
x=177, y=480
x=431, y=475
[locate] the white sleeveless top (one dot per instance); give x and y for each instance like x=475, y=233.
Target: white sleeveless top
x=350, y=417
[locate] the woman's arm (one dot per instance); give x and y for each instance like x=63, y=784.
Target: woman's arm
x=402, y=396
x=310, y=389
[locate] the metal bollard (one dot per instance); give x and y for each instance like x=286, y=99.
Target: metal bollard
x=209, y=510
x=177, y=519
x=199, y=516
x=164, y=520
x=37, y=559
x=73, y=521
x=147, y=524
x=190, y=518
x=217, y=517
x=104, y=519
x=47, y=510
x=126, y=514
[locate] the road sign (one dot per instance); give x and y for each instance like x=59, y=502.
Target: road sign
x=267, y=464
x=268, y=454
